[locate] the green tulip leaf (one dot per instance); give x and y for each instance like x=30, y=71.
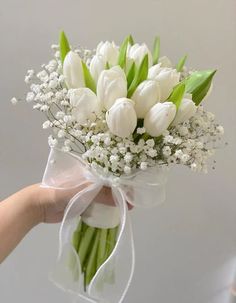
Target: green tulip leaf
x=180, y=64
x=64, y=46
x=131, y=40
x=130, y=74
x=177, y=94
x=156, y=50
x=141, y=74
x=198, y=84
x=123, y=51
x=88, y=79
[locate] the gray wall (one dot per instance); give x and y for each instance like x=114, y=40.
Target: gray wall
x=186, y=249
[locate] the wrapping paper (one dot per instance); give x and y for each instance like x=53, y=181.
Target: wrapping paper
x=141, y=189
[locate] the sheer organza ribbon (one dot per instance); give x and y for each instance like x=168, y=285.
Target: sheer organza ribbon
x=144, y=188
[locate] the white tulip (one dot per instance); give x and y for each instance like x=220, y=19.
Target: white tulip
x=154, y=71
x=159, y=117
x=186, y=110
x=137, y=52
x=112, y=84
x=166, y=77
x=165, y=61
x=85, y=104
x=121, y=118
x=109, y=51
x=145, y=96
x=97, y=65
x=73, y=71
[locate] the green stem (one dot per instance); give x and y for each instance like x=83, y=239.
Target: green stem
x=91, y=265
x=111, y=240
x=77, y=235
x=101, y=257
x=85, y=242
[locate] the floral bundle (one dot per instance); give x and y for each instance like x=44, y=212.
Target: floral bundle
x=119, y=115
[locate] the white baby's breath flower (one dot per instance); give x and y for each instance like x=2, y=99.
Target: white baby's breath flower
x=150, y=142
x=177, y=141
x=65, y=103
x=127, y=170
x=168, y=139
x=179, y=153
x=46, y=124
x=143, y=165
x=107, y=141
x=61, y=133
x=66, y=149
x=128, y=157
x=44, y=108
x=220, y=129
x=37, y=106
x=199, y=145
x=30, y=97
x=14, y=101
x=166, y=151
x=68, y=118
x=52, y=141
x=60, y=115
x=151, y=152
x=185, y=158
x=141, y=130
x=193, y=166
x=53, y=84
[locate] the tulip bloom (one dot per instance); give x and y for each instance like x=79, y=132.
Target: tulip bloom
x=159, y=117
x=112, y=84
x=137, y=52
x=145, y=96
x=166, y=77
x=97, y=65
x=73, y=71
x=165, y=61
x=121, y=118
x=109, y=52
x=186, y=110
x=85, y=104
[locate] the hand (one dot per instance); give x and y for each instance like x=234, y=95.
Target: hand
x=51, y=203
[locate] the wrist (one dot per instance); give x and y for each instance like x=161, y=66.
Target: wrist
x=32, y=204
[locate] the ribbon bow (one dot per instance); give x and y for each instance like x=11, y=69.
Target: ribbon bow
x=144, y=188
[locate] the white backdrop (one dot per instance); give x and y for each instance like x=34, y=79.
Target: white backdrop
x=186, y=249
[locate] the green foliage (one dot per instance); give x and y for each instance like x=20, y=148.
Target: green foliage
x=64, y=46
x=181, y=63
x=198, y=84
x=88, y=79
x=140, y=75
x=123, y=50
x=177, y=94
x=156, y=50
x=130, y=74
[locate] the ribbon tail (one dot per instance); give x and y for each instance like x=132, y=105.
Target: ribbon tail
x=67, y=273
x=113, y=278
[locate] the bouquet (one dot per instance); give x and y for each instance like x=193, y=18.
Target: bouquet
x=120, y=116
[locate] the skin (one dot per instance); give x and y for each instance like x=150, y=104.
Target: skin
x=33, y=205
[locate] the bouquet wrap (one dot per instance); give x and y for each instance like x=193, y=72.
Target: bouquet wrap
x=145, y=188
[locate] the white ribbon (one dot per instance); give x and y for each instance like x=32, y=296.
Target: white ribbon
x=145, y=188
